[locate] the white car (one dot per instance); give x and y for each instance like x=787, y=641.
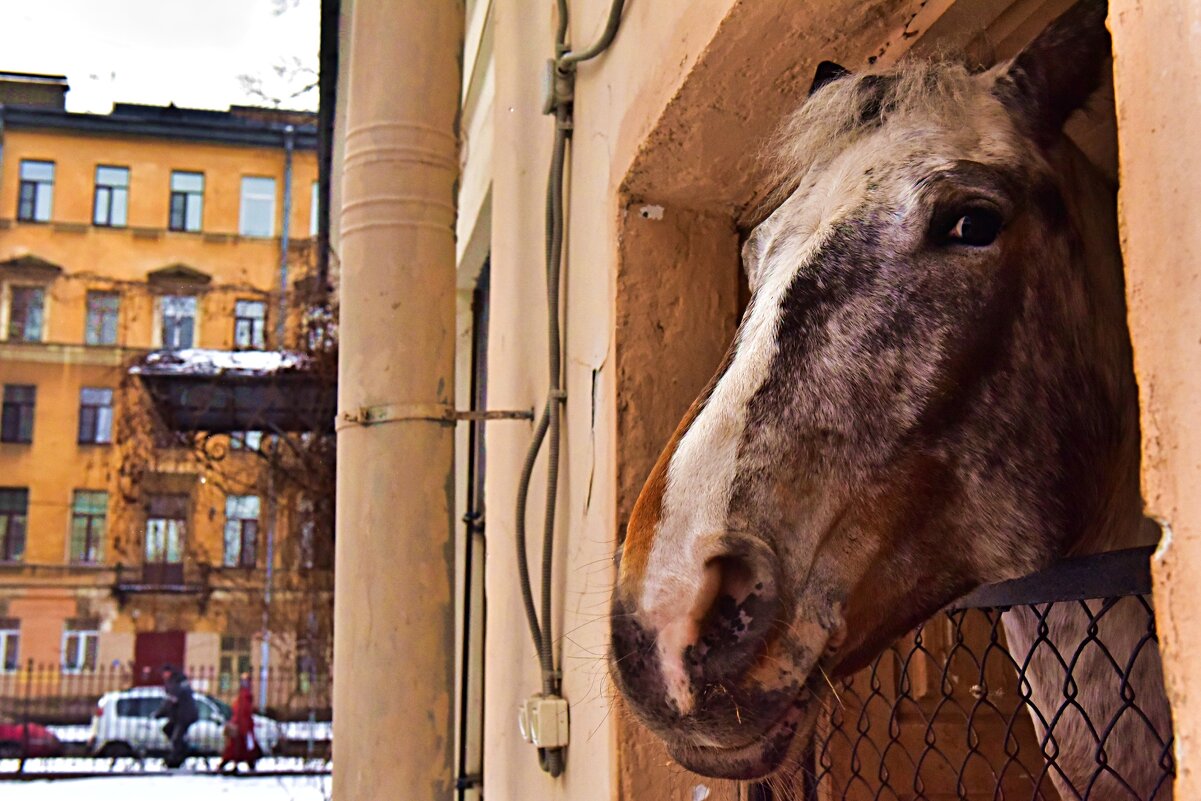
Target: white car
x=124, y=725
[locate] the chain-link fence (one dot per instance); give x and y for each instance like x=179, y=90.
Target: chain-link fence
x=1047, y=688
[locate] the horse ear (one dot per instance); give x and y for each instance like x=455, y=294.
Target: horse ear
x=827, y=71
x=1055, y=74
x=752, y=257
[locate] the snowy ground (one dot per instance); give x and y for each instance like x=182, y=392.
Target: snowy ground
x=176, y=787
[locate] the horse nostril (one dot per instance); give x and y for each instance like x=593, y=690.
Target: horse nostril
x=742, y=612
x=705, y=630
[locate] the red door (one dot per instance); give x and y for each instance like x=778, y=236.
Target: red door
x=152, y=650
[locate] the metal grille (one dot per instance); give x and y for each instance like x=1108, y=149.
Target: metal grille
x=1046, y=688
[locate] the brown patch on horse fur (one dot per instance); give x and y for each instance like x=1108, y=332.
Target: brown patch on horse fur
x=644, y=519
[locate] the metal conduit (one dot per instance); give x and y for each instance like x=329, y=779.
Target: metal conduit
x=560, y=102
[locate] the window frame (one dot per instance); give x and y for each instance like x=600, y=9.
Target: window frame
x=102, y=315
x=186, y=198
x=235, y=657
x=95, y=533
x=178, y=517
x=24, y=410
x=244, y=195
x=257, y=339
x=10, y=333
x=91, y=415
x=246, y=531
x=10, y=632
x=9, y=554
x=315, y=205
x=87, y=642
x=35, y=187
x=161, y=303
x=112, y=191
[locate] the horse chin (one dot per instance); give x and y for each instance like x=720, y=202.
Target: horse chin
x=767, y=753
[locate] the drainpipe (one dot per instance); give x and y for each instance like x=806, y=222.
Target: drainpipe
x=285, y=230
x=280, y=329
x=393, y=601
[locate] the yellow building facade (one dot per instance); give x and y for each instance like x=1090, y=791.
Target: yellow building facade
x=148, y=228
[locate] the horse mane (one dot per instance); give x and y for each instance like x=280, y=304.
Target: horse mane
x=844, y=110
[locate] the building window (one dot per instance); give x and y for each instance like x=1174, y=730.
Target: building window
x=16, y=418
x=112, y=196
x=95, y=416
x=81, y=641
x=89, y=513
x=14, y=511
x=26, y=313
x=234, y=661
x=10, y=644
x=166, y=527
x=187, y=200
x=314, y=216
x=257, y=217
x=246, y=440
x=104, y=311
x=35, y=197
x=241, y=530
x=179, y=320
x=250, y=322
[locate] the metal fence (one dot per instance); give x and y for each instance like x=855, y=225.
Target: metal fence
x=98, y=720
x=1046, y=688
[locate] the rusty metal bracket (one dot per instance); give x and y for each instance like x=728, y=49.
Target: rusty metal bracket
x=427, y=412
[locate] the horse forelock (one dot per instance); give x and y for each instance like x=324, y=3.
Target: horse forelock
x=851, y=108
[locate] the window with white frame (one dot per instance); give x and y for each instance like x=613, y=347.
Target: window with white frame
x=95, y=416
x=81, y=642
x=257, y=216
x=26, y=313
x=111, y=203
x=241, y=530
x=35, y=193
x=10, y=644
x=250, y=324
x=187, y=201
x=178, y=314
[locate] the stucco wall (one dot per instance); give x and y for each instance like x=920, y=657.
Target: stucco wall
x=1157, y=74
x=663, y=172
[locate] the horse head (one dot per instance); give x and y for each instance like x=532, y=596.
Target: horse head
x=930, y=389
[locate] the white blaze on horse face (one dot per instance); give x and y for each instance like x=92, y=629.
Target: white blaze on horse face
x=702, y=471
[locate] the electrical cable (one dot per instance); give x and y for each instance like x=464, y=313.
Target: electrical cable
x=550, y=423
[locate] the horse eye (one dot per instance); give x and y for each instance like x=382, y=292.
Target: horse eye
x=975, y=227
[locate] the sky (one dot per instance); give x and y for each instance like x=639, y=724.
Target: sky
x=187, y=52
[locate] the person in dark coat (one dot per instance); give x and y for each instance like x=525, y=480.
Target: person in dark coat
x=241, y=744
x=179, y=708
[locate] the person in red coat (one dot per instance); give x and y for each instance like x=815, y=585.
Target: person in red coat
x=241, y=745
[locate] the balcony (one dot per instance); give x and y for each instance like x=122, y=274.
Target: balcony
x=161, y=578
x=223, y=391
